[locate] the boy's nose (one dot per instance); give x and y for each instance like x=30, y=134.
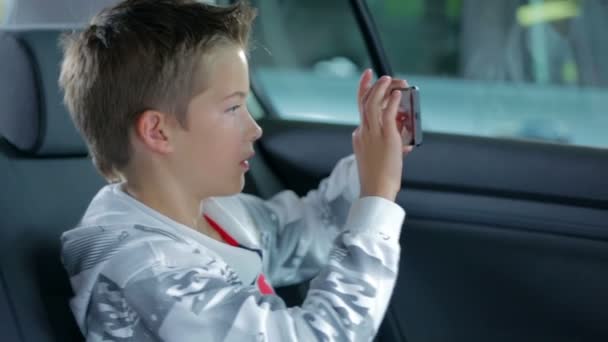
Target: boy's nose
x=257, y=131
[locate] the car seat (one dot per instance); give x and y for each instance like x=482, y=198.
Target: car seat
x=47, y=182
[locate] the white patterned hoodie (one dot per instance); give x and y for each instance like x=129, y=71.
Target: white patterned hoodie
x=138, y=275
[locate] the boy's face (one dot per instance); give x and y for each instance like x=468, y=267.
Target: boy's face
x=209, y=156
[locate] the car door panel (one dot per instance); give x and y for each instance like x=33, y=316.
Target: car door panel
x=499, y=167
x=504, y=240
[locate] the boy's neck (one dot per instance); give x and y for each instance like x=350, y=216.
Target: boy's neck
x=169, y=200
x=166, y=200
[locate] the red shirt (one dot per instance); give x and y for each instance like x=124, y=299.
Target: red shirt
x=261, y=282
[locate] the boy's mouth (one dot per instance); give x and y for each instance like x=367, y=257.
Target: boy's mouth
x=245, y=163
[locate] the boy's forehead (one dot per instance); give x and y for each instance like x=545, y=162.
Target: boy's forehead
x=223, y=73
x=222, y=84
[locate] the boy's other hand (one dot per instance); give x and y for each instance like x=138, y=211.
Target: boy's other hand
x=377, y=141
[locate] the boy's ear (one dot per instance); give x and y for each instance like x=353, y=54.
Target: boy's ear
x=154, y=129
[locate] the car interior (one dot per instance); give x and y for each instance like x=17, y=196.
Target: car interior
x=504, y=240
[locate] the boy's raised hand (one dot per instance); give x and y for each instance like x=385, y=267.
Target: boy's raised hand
x=377, y=141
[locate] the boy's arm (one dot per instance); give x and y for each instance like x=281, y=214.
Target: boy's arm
x=183, y=294
x=298, y=233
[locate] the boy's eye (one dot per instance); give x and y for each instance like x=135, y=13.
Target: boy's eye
x=233, y=109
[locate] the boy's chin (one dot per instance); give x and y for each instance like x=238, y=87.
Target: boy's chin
x=242, y=184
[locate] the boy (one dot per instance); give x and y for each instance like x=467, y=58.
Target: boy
x=170, y=250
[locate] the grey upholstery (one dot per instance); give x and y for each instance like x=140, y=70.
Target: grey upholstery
x=33, y=117
x=47, y=182
x=19, y=115
x=36, y=12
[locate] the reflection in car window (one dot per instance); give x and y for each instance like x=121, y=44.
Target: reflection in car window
x=307, y=57
x=514, y=68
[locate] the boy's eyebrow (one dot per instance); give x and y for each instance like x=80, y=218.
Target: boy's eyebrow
x=236, y=93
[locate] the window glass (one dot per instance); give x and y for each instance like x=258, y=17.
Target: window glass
x=307, y=57
x=528, y=69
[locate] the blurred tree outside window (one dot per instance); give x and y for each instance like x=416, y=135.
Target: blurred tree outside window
x=528, y=69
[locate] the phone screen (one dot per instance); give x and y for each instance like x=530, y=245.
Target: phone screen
x=408, y=116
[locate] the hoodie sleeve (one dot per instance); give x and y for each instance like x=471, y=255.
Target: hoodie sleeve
x=297, y=233
x=174, y=292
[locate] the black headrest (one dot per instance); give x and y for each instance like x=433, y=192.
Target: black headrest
x=33, y=117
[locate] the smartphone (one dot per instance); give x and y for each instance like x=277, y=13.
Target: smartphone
x=409, y=116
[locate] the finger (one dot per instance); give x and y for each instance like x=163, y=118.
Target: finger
x=364, y=83
x=389, y=116
x=364, y=86
x=395, y=85
x=407, y=149
x=398, y=84
x=373, y=109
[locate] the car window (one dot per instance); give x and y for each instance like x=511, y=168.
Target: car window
x=503, y=68
x=497, y=68
x=306, y=56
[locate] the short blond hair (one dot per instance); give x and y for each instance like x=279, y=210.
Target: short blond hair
x=141, y=55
